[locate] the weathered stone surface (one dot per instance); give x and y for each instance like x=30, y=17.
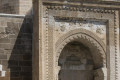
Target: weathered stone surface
x=27, y=78
x=14, y=57
x=5, y=46
x=27, y=57
x=93, y=23
x=4, y=40
x=16, y=47
x=15, y=74
x=2, y=30
x=26, y=74
x=2, y=56
x=15, y=69
x=12, y=28
x=16, y=78
x=1, y=51
x=12, y=63
x=25, y=63
x=26, y=69
x=15, y=6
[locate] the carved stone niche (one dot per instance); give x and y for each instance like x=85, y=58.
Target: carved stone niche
x=50, y=39
x=79, y=60
x=76, y=60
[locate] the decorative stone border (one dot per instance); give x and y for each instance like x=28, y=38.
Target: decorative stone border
x=78, y=34
x=76, y=8
x=90, y=37
x=116, y=43
x=95, y=10
x=72, y=32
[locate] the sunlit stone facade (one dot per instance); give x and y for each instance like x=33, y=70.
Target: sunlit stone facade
x=76, y=40
x=59, y=40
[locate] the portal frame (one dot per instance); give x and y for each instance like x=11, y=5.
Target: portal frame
x=45, y=39
x=83, y=36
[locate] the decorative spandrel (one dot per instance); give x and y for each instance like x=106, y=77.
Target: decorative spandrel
x=96, y=27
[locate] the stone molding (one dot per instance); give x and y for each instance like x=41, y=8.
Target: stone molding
x=65, y=24
x=81, y=34
x=83, y=9
x=12, y=15
x=109, y=21
x=113, y=5
x=116, y=43
x=86, y=35
x=82, y=31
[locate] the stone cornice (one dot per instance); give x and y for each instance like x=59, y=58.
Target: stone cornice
x=12, y=15
x=70, y=19
x=108, y=5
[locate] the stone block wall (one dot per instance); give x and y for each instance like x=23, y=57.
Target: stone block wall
x=9, y=6
x=16, y=47
x=25, y=7
x=16, y=6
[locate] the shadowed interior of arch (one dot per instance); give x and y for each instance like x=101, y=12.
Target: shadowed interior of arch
x=76, y=62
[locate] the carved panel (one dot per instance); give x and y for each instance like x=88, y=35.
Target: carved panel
x=64, y=25
x=56, y=24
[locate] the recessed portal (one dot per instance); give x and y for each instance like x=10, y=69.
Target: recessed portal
x=76, y=62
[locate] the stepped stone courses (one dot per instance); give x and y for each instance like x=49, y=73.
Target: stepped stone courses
x=16, y=47
x=16, y=40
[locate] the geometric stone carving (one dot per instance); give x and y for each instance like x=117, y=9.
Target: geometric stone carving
x=98, y=28
x=82, y=35
x=93, y=26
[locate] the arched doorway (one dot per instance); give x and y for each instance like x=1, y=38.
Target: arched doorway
x=76, y=62
x=89, y=45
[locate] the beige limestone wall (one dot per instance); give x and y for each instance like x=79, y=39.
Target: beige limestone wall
x=25, y=6
x=44, y=52
x=15, y=47
x=9, y=6
x=16, y=6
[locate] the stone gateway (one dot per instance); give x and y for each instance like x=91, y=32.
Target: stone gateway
x=59, y=39
x=76, y=40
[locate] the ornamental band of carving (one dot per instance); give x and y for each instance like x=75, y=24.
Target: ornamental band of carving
x=66, y=37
